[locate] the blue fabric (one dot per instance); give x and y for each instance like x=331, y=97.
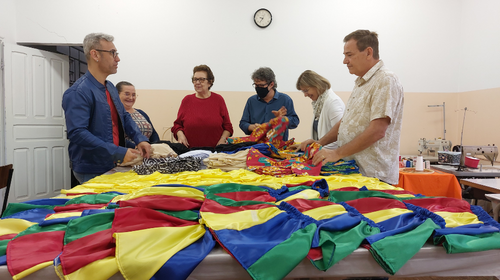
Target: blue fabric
x=90, y=132
x=3, y=260
x=263, y=148
x=248, y=245
x=258, y=111
x=337, y=223
x=95, y=211
x=154, y=136
x=57, y=221
x=47, y=201
x=35, y=215
x=474, y=229
x=180, y=265
x=399, y=224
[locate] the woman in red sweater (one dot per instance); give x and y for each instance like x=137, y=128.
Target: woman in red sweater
x=202, y=120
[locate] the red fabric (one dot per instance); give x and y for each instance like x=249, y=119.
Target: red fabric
x=32, y=249
x=202, y=120
x=78, y=207
x=435, y=184
x=271, y=132
x=446, y=204
x=315, y=254
x=250, y=195
x=305, y=204
x=114, y=119
x=8, y=236
x=85, y=250
x=261, y=164
x=163, y=202
x=130, y=219
x=214, y=207
x=347, y=189
x=372, y=204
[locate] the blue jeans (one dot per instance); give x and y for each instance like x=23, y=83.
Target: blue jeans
x=84, y=177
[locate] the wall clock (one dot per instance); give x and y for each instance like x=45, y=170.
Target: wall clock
x=262, y=18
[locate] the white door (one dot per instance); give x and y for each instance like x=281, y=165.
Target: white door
x=35, y=130
x=2, y=109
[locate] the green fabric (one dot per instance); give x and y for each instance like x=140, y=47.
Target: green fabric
x=341, y=196
x=299, y=188
x=187, y=215
x=229, y=202
x=88, y=225
x=461, y=243
x=13, y=208
x=92, y=198
x=337, y=245
x=3, y=247
x=284, y=257
x=392, y=252
x=231, y=187
x=36, y=229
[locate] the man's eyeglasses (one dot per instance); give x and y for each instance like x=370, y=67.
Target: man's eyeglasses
x=201, y=80
x=112, y=52
x=261, y=86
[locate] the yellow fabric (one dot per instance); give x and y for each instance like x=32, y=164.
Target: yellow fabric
x=10, y=226
x=171, y=191
x=382, y=215
x=140, y=254
x=98, y=270
x=64, y=215
x=128, y=182
x=31, y=270
x=305, y=194
x=458, y=219
x=239, y=220
x=326, y=212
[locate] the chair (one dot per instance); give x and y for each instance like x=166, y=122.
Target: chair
x=6, y=172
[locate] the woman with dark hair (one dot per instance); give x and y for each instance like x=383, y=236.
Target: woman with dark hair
x=127, y=94
x=202, y=119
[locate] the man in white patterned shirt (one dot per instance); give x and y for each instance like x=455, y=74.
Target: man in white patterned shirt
x=369, y=132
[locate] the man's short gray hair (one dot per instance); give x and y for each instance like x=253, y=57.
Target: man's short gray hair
x=93, y=41
x=265, y=74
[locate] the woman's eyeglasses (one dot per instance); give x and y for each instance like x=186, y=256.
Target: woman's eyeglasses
x=201, y=80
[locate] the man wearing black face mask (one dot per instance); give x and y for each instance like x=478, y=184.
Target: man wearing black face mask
x=267, y=104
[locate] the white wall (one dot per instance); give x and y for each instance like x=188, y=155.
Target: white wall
x=161, y=41
x=7, y=21
x=479, y=45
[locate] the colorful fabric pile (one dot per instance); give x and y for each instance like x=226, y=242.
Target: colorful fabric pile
x=301, y=165
x=271, y=132
x=152, y=227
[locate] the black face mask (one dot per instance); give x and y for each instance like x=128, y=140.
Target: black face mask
x=262, y=92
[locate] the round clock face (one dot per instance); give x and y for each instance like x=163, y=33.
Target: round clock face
x=262, y=18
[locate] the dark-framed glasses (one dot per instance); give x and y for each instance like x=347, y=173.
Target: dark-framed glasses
x=261, y=86
x=201, y=80
x=114, y=53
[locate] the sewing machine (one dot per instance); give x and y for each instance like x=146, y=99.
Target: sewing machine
x=429, y=148
x=489, y=152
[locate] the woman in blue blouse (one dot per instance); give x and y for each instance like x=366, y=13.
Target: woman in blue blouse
x=128, y=96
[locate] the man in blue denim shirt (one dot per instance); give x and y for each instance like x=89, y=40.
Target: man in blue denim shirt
x=96, y=120
x=267, y=104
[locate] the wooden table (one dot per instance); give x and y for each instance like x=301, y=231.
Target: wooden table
x=486, y=184
x=487, y=188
